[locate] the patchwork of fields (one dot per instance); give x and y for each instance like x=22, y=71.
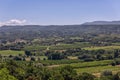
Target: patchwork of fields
x=78, y=65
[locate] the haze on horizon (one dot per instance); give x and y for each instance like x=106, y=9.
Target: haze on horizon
x=58, y=12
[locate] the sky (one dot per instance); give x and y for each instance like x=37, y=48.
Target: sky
x=58, y=12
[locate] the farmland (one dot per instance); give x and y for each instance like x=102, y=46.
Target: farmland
x=98, y=69
x=10, y=52
x=103, y=47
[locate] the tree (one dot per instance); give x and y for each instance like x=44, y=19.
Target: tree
x=15, y=69
x=33, y=59
x=55, y=75
x=85, y=76
x=28, y=53
x=116, y=76
x=113, y=63
x=106, y=73
x=68, y=73
x=56, y=56
x=4, y=75
x=116, y=53
x=17, y=58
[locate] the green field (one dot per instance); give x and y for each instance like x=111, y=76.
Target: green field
x=90, y=64
x=58, y=46
x=42, y=57
x=104, y=47
x=98, y=69
x=10, y=52
x=117, y=43
x=83, y=45
x=35, y=47
x=59, y=62
x=94, y=67
x=70, y=46
x=90, y=67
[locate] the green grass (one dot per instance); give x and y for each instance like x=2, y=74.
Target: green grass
x=92, y=67
x=75, y=38
x=90, y=64
x=104, y=47
x=97, y=69
x=10, y=52
x=76, y=64
x=42, y=57
x=116, y=44
x=58, y=47
x=72, y=57
x=36, y=47
x=70, y=46
x=59, y=62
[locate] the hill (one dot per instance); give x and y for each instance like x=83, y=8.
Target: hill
x=30, y=32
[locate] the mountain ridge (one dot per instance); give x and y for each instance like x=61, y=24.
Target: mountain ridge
x=86, y=23
x=102, y=23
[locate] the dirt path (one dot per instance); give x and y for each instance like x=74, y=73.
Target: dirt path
x=53, y=66
x=48, y=48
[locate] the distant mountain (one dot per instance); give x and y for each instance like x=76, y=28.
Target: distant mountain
x=102, y=23
x=30, y=32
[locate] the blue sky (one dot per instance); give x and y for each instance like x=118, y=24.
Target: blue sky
x=55, y=12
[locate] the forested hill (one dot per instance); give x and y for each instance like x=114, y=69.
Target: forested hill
x=37, y=31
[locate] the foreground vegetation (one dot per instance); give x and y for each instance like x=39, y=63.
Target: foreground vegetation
x=11, y=70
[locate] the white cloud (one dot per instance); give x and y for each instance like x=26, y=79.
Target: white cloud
x=13, y=22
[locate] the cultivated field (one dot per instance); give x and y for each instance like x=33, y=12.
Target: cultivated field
x=10, y=52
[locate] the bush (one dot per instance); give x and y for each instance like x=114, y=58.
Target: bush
x=33, y=59
x=17, y=58
x=85, y=76
x=88, y=59
x=113, y=63
x=68, y=73
x=106, y=73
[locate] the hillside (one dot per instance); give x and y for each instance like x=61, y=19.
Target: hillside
x=37, y=31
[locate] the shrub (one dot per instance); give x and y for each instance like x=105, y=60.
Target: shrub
x=106, y=73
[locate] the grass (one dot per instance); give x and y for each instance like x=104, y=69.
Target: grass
x=89, y=67
x=76, y=64
x=36, y=47
x=97, y=69
x=90, y=64
x=42, y=57
x=117, y=43
x=70, y=46
x=59, y=62
x=72, y=57
x=104, y=47
x=93, y=67
x=10, y=52
x=58, y=47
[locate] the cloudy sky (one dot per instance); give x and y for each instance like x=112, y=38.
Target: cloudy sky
x=47, y=12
